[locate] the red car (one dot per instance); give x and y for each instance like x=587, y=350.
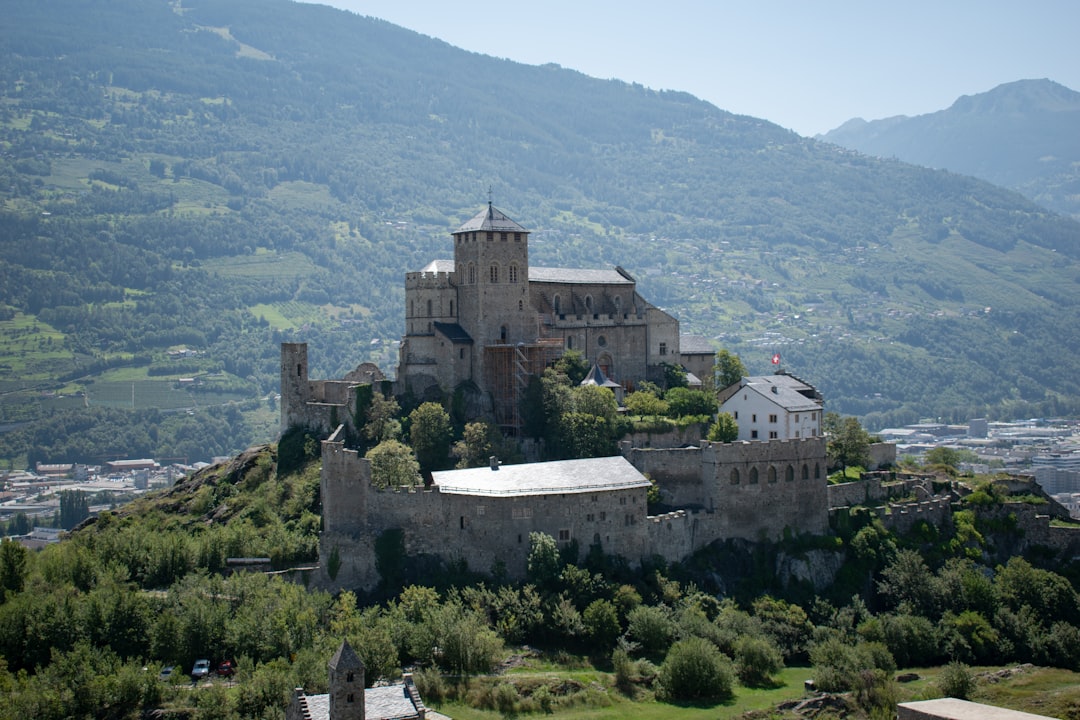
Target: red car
x=226, y=669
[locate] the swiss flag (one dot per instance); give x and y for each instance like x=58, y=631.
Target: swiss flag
x=776, y=359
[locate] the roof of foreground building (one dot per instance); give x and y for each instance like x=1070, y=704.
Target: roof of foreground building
x=559, y=477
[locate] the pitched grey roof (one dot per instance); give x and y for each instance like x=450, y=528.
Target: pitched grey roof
x=695, y=345
x=491, y=219
x=390, y=701
x=454, y=332
x=597, y=377
x=345, y=658
x=784, y=390
x=577, y=275
x=562, y=476
x=438, y=266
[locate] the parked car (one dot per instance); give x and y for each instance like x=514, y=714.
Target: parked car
x=166, y=673
x=226, y=668
x=201, y=669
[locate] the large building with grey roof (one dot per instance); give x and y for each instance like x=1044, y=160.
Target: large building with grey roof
x=482, y=323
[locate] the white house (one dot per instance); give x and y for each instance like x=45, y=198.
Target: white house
x=774, y=407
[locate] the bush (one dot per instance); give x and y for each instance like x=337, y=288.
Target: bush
x=956, y=681
x=757, y=660
x=652, y=629
x=695, y=670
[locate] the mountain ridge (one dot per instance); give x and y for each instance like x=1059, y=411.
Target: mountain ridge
x=1019, y=135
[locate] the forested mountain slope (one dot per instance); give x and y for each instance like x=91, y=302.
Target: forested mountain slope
x=184, y=187
x=1020, y=135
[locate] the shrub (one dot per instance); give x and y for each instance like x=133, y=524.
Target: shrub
x=757, y=660
x=956, y=681
x=652, y=628
x=695, y=670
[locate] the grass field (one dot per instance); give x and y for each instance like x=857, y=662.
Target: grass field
x=1044, y=691
x=264, y=266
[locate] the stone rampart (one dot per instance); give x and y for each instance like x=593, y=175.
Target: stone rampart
x=900, y=518
x=882, y=455
x=674, y=535
x=677, y=437
x=757, y=490
x=676, y=470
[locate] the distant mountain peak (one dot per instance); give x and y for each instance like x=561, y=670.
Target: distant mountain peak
x=1020, y=96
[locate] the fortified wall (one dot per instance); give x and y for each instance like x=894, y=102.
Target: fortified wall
x=319, y=405
x=748, y=490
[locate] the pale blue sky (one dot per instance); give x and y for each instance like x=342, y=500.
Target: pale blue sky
x=808, y=66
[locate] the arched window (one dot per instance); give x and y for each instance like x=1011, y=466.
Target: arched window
x=588, y=303
x=502, y=333
x=513, y=273
x=772, y=474
x=472, y=274
x=494, y=273
x=451, y=308
x=429, y=308
x=521, y=304
x=805, y=472
x=789, y=474
x=734, y=476
x=753, y=476
x=556, y=303
x=618, y=305
x=817, y=471
x=569, y=342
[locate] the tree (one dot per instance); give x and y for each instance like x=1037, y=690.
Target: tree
x=757, y=659
x=382, y=419
x=848, y=443
x=573, y=365
x=695, y=670
x=728, y=369
x=475, y=446
x=74, y=508
x=645, y=403
x=430, y=434
x=602, y=623
x=544, y=563
x=393, y=465
x=12, y=568
x=683, y=402
x=724, y=429
x=674, y=375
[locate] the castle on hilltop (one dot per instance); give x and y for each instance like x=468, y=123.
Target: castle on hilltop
x=482, y=325
x=485, y=321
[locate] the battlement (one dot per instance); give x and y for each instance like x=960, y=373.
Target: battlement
x=429, y=280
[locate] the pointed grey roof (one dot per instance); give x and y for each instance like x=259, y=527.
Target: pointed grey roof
x=596, y=376
x=491, y=219
x=346, y=658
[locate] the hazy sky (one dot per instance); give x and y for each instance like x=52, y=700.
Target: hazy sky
x=805, y=65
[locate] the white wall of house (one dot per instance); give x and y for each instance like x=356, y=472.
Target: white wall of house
x=762, y=418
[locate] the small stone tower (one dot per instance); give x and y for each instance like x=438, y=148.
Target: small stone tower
x=346, y=684
x=294, y=382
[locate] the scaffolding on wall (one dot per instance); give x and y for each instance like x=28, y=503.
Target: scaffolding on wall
x=509, y=368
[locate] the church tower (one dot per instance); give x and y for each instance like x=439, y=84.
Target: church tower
x=346, y=684
x=491, y=263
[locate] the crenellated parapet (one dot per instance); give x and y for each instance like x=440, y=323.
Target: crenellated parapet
x=430, y=280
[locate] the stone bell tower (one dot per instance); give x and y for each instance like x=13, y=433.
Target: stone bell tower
x=346, y=684
x=491, y=263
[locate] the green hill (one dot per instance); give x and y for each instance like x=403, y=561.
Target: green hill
x=184, y=187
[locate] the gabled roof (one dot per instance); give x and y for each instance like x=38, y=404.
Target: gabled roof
x=695, y=345
x=559, y=477
x=786, y=391
x=491, y=219
x=578, y=275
